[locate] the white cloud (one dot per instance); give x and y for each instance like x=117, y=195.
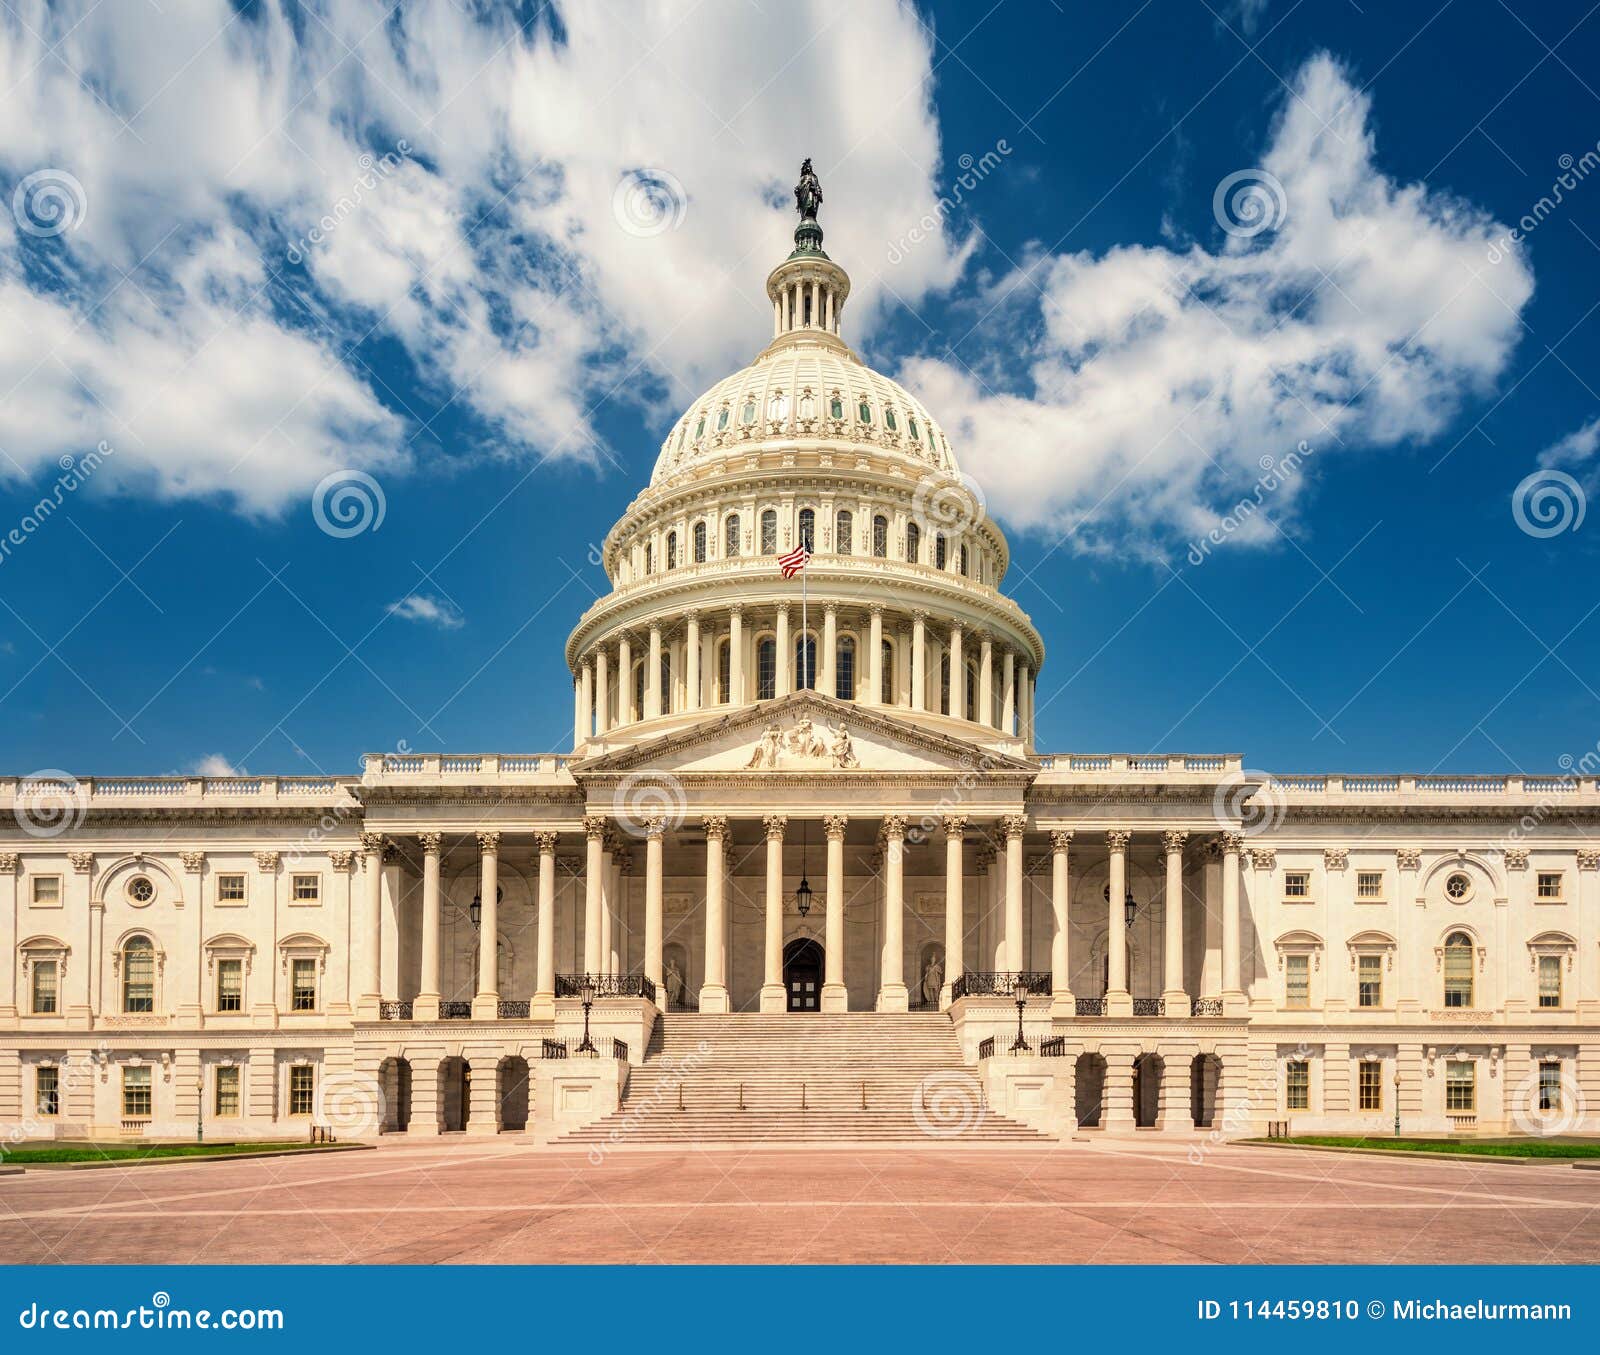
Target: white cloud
x=433, y=611
x=214, y=764
x=211, y=138
x=1574, y=449
x=1157, y=382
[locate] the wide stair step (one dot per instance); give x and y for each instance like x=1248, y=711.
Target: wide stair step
x=758, y=1077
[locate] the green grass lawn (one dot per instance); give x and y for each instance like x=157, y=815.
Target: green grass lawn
x=25, y=1153
x=1551, y=1147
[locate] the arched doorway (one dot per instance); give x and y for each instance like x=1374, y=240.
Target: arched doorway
x=394, y=1080
x=455, y=1095
x=1090, y=1079
x=1147, y=1073
x=1204, y=1075
x=802, y=975
x=513, y=1074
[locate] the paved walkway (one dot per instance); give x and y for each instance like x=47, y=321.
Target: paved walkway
x=1107, y=1201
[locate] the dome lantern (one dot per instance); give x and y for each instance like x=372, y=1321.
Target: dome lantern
x=807, y=289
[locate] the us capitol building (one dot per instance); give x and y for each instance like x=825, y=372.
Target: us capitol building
x=624, y=940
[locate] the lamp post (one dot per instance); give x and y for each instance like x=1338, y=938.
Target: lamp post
x=1397, y=1098
x=587, y=995
x=1020, y=994
x=200, y=1106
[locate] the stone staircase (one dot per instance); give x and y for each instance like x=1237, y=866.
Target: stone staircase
x=755, y=1078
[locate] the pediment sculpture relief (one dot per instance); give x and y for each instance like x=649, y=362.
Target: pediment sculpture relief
x=803, y=745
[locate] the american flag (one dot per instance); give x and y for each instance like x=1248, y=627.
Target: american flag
x=795, y=561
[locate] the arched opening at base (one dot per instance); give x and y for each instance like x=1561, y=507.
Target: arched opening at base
x=1205, y=1076
x=455, y=1094
x=394, y=1079
x=802, y=975
x=1090, y=1082
x=513, y=1075
x=1147, y=1073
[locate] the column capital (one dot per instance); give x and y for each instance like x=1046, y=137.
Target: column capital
x=655, y=630
x=985, y=856
x=1173, y=839
x=430, y=843
x=193, y=862
x=716, y=826
x=655, y=827
x=955, y=825
x=1060, y=839
x=775, y=825
x=1230, y=843
x=1118, y=838
x=594, y=826
x=371, y=842
x=343, y=861
x=875, y=609
x=830, y=609
x=833, y=826
x=267, y=862
x=1262, y=858
x=919, y=615
x=1014, y=825
x=488, y=841
x=545, y=841
x=1408, y=858
x=82, y=862
x=894, y=826
x=736, y=612
x=690, y=613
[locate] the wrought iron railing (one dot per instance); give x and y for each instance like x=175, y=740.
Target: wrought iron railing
x=553, y=1049
x=605, y=1046
x=513, y=1010
x=606, y=985
x=1089, y=1006
x=1208, y=1006
x=619, y=1049
x=999, y=984
x=986, y=1048
x=455, y=1010
x=1149, y=1006
x=1053, y=1047
x=394, y=1011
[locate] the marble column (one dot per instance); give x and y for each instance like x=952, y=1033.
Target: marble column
x=986, y=680
x=691, y=666
x=1174, y=997
x=736, y=656
x=543, y=1007
x=654, y=830
x=1233, y=998
x=714, y=989
x=486, y=1005
x=577, y=711
x=1119, y=1002
x=1024, y=706
x=586, y=724
x=958, y=677
x=426, y=1006
x=594, y=831
x=835, y=996
x=787, y=677
x=875, y=658
x=955, y=932
x=827, y=678
x=892, y=994
x=602, y=693
x=1062, y=1002
x=1008, y=692
x=773, y=997
x=652, y=676
x=372, y=959
x=626, y=714
x=919, y=660
x=1014, y=825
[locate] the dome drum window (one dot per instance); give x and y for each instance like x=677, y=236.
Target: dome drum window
x=140, y=890
x=1458, y=887
x=747, y=415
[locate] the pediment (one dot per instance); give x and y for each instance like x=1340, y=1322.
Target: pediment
x=806, y=734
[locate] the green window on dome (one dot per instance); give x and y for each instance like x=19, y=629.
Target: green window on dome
x=722, y=419
x=748, y=413
x=836, y=408
x=699, y=429
x=864, y=412
x=888, y=419
x=912, y=425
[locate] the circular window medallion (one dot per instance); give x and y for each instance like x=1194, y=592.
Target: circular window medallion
x=1458, y=886
x=140, y=890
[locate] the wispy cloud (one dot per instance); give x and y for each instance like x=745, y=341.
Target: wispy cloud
x=214, y=764
x=431, y=610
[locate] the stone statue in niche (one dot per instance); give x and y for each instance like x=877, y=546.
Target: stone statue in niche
x=932, y=980
x=672, y=981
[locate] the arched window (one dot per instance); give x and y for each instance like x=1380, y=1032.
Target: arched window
x=944, y=684
x=724, y=673
x=638, y=690
x=913, y=542
x=972, y=691
x=769, y=531
x=805, y=661
x=844, y=526
x=139, y=975
x=649, y=557
x=844, y=669
x=748, y=414
x=808, y=528
x=672, y=550
x=880, y=537
x=886, y=690
x=888, y=420
x=864, y=412
x=911, y=425
x=940, y=555
x=722, y=418
x=699, y=543
x=963, y=557
x=666, y=685
x=1458, y=970
x=836, y=408
x=730, y=536
x=808, y=406
x=766, y=669
x=778, y=407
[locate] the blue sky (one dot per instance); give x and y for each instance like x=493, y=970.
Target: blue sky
x=484, y=329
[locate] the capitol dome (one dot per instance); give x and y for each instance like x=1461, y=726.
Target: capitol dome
x=899, y=606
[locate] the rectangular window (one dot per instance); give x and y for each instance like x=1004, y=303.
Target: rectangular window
x=1549, y=886
x=1370, y=1085
x=303, y=997
x=1550, y=1084
x=45, y=973
x=1549, y=980
x=1369, y=884
x=46, y=891
x=302, y=1088
x=1461, y=1086
x=306, y=888
x=230, y=985
x=230, y=889
x=135, y=1093
x=1369, y=981
x=226, y=1102
x=1297, y=1085
x=1297, y=980
x=1297, y=884
x=47, y=1091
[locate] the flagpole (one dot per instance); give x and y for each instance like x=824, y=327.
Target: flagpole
x=804, y=666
